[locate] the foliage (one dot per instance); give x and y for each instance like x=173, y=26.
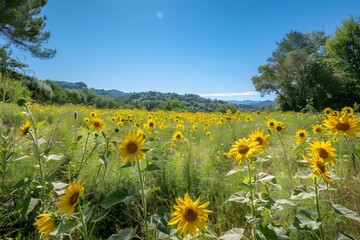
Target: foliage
x=22, y=26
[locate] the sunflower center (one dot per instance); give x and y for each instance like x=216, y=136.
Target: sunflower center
x=271, y=124
x=131, y=147
x=342, y=126
x=190, y=213
x=302, y=135
x=74, y=199
x=259, y=140
x=320, y=166
x=243, y=149
x=323, y=153
x=178, y=136
x=318, y=130
x=96, y=124
x=151, y=124
x=278, y=128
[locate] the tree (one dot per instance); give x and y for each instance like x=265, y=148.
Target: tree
x=295, y=71
x=22, y=26
x=343, y=51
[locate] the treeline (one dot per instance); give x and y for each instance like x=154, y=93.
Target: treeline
x=313, y=71
x=14, y=86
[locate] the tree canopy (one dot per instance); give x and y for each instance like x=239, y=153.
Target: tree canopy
x=22, y=26
x=313, y=69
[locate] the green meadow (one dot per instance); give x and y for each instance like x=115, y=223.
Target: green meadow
x=278, y=191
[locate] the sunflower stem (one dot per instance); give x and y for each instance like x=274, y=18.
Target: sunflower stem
x=83, y=223
x=322, y=234
x=143, y=198
x=252, y=205
x=285, y=154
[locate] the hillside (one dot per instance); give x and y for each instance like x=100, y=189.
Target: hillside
x=255, y=105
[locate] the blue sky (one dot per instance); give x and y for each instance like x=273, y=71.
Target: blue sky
x=206, y=47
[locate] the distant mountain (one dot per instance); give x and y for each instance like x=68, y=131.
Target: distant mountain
x=255, y=104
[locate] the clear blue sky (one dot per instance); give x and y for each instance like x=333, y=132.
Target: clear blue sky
x=182, y=46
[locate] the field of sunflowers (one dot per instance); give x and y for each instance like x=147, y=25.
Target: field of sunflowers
x=75, y=172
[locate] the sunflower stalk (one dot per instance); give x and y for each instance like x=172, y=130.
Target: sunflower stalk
x=143, y=198
x=285, y=153
x=252, y=203
x=322, y=234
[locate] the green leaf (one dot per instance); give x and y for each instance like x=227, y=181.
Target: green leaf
x=303, y=174
x=151, y=191
x=239, y=197
x=152, y=167
x=127, y=165
x=123, y=195
x=65, y=228
x=21, y=102
x=286, y=202
x=303, y=221
x=235, y=170
x=345, y=212
x=345, y=236
x=39, y=124
x=54, y=157
x=260, y=177
x=79, y=138
x=302, y=192
x=233, y=234
x=125, y=234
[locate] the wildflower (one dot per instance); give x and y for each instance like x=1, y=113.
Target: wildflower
x=178, y=136
x=317, y=129
x=279, y=126
x=189, y=215
x=71, y=198
x=132, y=147
x=348, y=110
x=24, y=129
x=243, y=149
x=96, y=124
x=271, y=123
x=259, y=136
x=301, y=135
x=46, y=224
x=324, y=150
x=343, y=125
x=318, y=166
x=328, y=111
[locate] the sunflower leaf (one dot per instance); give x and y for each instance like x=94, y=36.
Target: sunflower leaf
x=345, y=212
x=302, y=192
x=233, y=234
x=123, y=195
x=345, y=236
x=303, y=221
x=235, y=170
x=125, y=234
x=260, y=177
x=239, y=197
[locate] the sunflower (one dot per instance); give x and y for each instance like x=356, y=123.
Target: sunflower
x=301, y=135
x=96, y=124
x=131, y=147
x=317, y=128
x=259, y=136
x=24, y=129
x=243, y=149
x=344, y=125
x=71, y=198
x=271, y=123
x=318, y=166
x=189, y=215
x=46, y=224
x=328, y=111
x=349, y=110
x=324, y=150
x=279, y=126
x=178, y=136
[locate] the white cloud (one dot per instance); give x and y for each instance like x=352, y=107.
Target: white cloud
x=229, y=94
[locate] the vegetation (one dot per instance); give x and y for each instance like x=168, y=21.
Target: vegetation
x=76, y=172
x=313, y=69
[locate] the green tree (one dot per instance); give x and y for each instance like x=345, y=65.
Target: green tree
x=22, y=25
x=343, y=51
x=295, y=71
